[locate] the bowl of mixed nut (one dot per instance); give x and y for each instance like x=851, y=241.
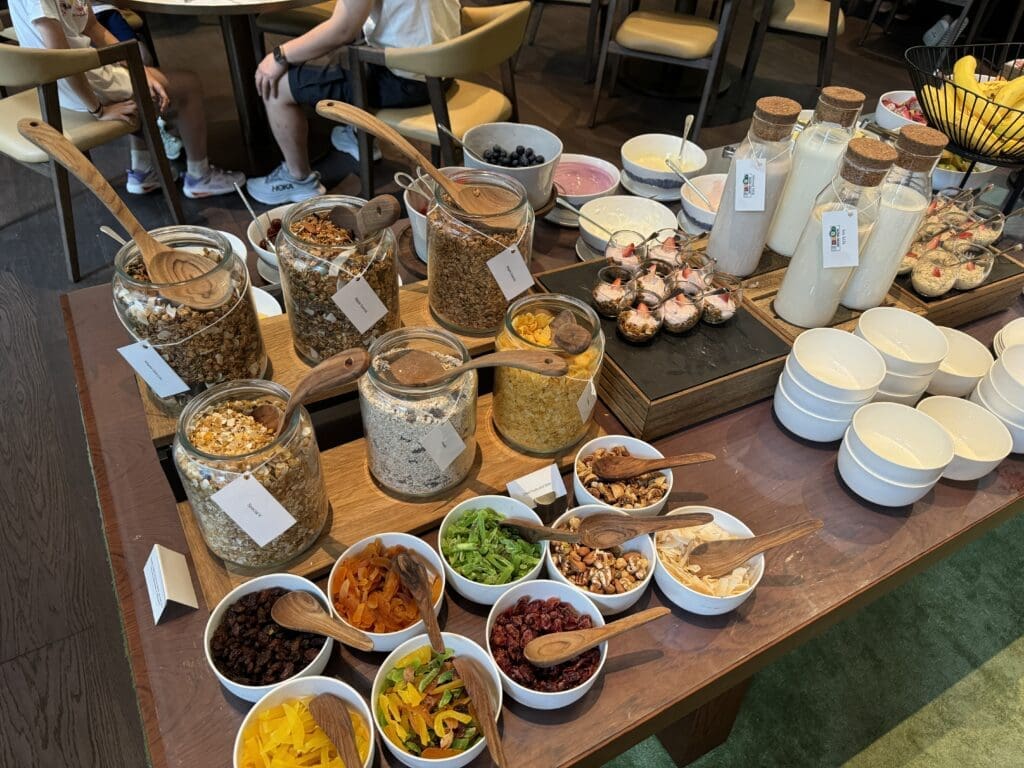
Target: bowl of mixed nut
x=644, y=495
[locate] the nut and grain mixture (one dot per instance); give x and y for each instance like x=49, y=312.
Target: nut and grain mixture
x=289, y=471
x=601, y=571
x=634, y=493
x=935, y=273
x=973, y=273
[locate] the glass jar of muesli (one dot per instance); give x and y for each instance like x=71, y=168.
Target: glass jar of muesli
x=218, y=441
x=203, y=346
x=421, y=441
x=464, y=296
x=317, y=259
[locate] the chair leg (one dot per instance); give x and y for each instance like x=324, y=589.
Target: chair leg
x=871, y=20
x=595, y=19
x=365, y=142
x=757, y=38
x=614, y=81
x=147, y=38
x=602, y=60
x=62, y=196
x=536, y=12
x=435, y=154
x=508, y=85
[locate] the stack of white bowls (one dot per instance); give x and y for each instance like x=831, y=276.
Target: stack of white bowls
x=827, y=377
x=980, y=440
x=911, y=346
x=1002, y=392
x=1010, y=335
x=966, y=364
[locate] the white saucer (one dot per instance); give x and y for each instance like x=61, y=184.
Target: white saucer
x=237, y=246
x=266, y=305
x=585, y=253
x=268, y=273
x=651, y=193
x=563, y=218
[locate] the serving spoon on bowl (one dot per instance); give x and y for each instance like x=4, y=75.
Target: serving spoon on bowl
x=330, y=713
x=717, y=558
x=559, y=647
x=607, y=529
x=302, y=612
x=611, y=467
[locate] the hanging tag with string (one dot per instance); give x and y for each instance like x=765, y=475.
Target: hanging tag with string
x=355, y=298
x=750, y=180
x=253, y=509
x=840, y=239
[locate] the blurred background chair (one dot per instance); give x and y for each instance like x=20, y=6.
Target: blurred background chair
x=294, y=21
x=596, y=19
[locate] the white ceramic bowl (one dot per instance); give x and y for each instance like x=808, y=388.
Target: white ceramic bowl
x=711, y=185
x=301, y=688
x=542, y=589
x=1012, y=334
x=909, y=344
x=637, y=448
x=899, y=384
x=462, y=646
x=943, y=178
x=888, y=119
x=1007, y=374
x=1001, y=405
x=535, y=178
x=387, y=641
x=980, y=440
x=836, y=364
x=814, y=403
x=266, y=305
x=643, y=161
x=873, y=488
x=417, y=220
x=804, y=423
x=617, y=212
x=697, y=602
x=253, y=234
x=1016, y=429
x=890, y=397
x=961, y=370
x=607, y=604
x=900, y=444
x=286, y=581
x=596, y=162
x=512, y=509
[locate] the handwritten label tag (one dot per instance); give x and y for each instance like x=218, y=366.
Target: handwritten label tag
x=840, y=240
x=168, y=581
x=254, y=510
x=750, y=176
x=510, y=270
x=153, y=369
x=443, y=445
x=360, y=304
x=540, y=487
x=587, y=399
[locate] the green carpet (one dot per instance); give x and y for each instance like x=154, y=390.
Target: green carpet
x=929, y=676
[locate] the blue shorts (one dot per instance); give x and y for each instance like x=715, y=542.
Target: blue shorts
x=116, y=25
x=311, y=83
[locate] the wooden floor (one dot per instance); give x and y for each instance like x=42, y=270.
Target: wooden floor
x=65, y=689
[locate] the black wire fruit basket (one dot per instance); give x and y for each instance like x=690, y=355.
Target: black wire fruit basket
x=971, y=107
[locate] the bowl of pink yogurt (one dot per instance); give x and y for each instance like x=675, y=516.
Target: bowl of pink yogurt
x=581, y=178
x=712, y=185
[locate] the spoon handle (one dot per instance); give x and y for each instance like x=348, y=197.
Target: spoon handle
x=786, y=534
x=548, y=650
x=414, y=576
x=482, y=705
x=534, y=533
x=328, y=375
x=537, y=361
x=330, y=713
x=681, y=460
x=570, y=207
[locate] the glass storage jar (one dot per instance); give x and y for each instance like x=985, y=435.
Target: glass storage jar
x=218, y=441
x=410, y=431
x=464, y=296
x=546, y=414
x=317, y=259
x=203, y=346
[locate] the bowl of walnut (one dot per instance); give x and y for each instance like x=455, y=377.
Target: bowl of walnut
x=644, y=495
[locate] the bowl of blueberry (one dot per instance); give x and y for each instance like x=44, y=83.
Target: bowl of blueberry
x=527, y=153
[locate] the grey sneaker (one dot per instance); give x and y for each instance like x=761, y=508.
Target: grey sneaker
x=279, y=186
x=343, y=139
x=216, y=182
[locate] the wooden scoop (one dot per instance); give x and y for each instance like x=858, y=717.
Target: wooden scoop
x=376, y=214
x=625, y=467
x=717, y=558
x=330, y=713
x=302, y=612
x=606, y=529
x=164, y=265
x=417, y=368
x=558, y=647
x=414, y=577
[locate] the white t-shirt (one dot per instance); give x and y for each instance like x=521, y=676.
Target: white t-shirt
x=411, y=24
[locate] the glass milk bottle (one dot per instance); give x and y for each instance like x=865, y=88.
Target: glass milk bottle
x=816, y=157
x=829, y=245
x=903, y=201
x=752, y=189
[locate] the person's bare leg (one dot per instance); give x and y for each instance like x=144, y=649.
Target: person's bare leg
x=186, y=95
x=291, y=129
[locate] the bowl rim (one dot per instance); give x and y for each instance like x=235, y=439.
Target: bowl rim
x=698, y=203
x=862, y=343
x=595, y=161
x=781, y=387
x=849, y=452
x=987, y=380
x=961, y=337
x=629, y=143
x=917, y=320
x=1008, y=423
x=981, y=413
x=638, y=510
x=791, y=377
x=1011, y=354
x=503, y=124
x=250, y=227
x=879, y=407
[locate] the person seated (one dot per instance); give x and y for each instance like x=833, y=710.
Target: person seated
x=287, y=80
x=106, y=92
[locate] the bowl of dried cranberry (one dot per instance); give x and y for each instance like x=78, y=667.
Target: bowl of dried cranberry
x=249, y=652
x=540, y=608
x=269, y=225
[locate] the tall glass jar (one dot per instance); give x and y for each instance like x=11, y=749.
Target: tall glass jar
x=464, y=295
x=546, y=414
x=317, y=259
x=421, y=441
x=218, y=441
x=203, y=346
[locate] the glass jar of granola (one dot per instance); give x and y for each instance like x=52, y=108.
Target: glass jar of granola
x=204, y=347
x=318, y=259
x=543, y=414
x=218, y=442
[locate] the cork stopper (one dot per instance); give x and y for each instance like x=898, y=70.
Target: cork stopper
x=839, y=105
x=774, y=117
x=867, y=161
x=918, y=146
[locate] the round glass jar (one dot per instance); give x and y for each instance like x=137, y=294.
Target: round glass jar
x=546, y=414
x=213, y=447
x=464, y=296
x=203, y=346
x=316, y=260
x=410, y=443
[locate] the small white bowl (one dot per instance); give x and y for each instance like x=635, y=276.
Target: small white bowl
x=697, y=602
x=1016, y=430
x=266, y=305
x=1001, y=405
x=643, y=161
x=836, y=364
x=536, y=179
x=891, y=397
x=909, y=344
x=615, y=212
x=804, y=423
x=873, y=488
x=511, y=509
x=268, y=257
x=301, y=688
x=711, y=185
x=888, y=119
x=286, y=581
x=1007, y=374
x=899, y=384
x=597, y=163
x=637, y=448
x=607, y=604
x=462, y=646
x=542, y=589
x=943, y=178
x=961, y=370
x=900, y=444
x=387, y=641
x=816, y=404
x=417, y=220
x=1011, y=334
x=980, y=440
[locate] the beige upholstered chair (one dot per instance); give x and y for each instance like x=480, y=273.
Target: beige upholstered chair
x=38, y=71
x=294, y=21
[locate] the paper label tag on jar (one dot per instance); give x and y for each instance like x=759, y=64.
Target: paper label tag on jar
x=587, y=399
x=840, y=240
x=360, y=304
x=540, y=487
x=253, y=509
x=443, y=445
x=750, y=177
x=153, y=369
x=510, y=270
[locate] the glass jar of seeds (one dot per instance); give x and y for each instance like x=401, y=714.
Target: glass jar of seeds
x=203, y=346
x=318, y=259
x=219, y=440
x=420, y=440
x=464, y=296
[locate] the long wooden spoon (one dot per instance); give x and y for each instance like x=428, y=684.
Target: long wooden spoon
x=606, y=529
x=417, y=368
x=377, y=213
x=558, y=647
x=716, y=558
x=610, y=467
x=330, y=713
x=302, y=612
x=164, y=265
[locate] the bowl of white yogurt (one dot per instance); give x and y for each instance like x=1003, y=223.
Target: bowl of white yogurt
x=605, y=215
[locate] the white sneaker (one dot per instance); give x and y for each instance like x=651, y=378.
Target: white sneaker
x=144, y=182
x=343, y=139
x=216, y=182
x=279, y=186
x=172, y=144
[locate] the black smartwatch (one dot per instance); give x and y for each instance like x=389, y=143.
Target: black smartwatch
x=279, y=57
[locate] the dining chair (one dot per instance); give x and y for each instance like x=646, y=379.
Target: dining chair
x=293, y=22
x=37, y=71
x=596, y=19
x=141, y=28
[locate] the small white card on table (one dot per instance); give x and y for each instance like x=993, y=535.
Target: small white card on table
x=168, y=581
x=542, y=486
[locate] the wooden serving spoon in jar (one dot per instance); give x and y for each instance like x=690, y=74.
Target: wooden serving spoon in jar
x=559, y=647
x=624, y=467
x=606, y=529
x=416, y=368
x=717, y=558
x=302, y=612
x=376, y=214
x=331, y=715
